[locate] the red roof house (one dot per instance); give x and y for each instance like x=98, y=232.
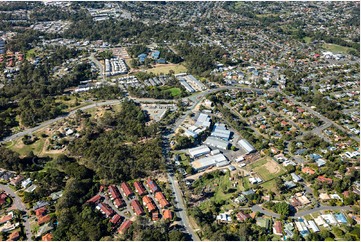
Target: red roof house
x=40, y=212
x=161, y=199
x=148, y=202
x=47, y=237
x=114, y=192
x=277, y=228
x=14, y=236
x=242, y=216
x=105, y=209
x=324, y=179
x=167, y=214
x=152, y=186
x=3, y=197
x=126, y=189
x=94, y=199
x=139, y=188
x=119, y=203
x=125, y=226
x=6, y=218
x=137, y=207
x=308, y=170
x=44, y=219
x=115, y=219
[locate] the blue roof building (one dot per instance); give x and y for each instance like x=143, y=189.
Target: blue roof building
x=142, y=57
x=161, y=61
x=155, y=54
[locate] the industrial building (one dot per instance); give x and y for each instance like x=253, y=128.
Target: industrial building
x=218, y=160
x=199, y=151
x=186, y=85
x=220, y=131
x=203, y=120
x=216, y=143
x=244, y=144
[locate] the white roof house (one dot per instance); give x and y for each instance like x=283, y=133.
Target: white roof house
x=199, y=151
x=312, y=225
x=321, y=222
x=295, y=177
x=246, y=145
x=329, y=218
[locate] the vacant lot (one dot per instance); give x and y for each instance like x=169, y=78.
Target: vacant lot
x=267, y=168
x=336, y=48
x=165, y=68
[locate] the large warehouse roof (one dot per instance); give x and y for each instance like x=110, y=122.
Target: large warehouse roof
x=216, y=142
x=246, y=145
x=208, y=161
x=198, y=151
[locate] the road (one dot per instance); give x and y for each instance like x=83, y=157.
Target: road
x=51, y=121
x=318, y=115
x=257, y=208
x=98, y=64
x=19, y=205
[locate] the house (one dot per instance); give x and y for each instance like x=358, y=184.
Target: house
x=240, y=199
x=126, y=189
x=264, y=223
x=139, y=188
x=114, y=192
x=137, y=207
x=3, y=197
x=44, y=219
x=290, y=184
x=249, y=192
x=308, y=170
x=224, y=217
x=295, y=177
x=95, y=199
x=152, y=186
x=148, y=202
x=6, y=218
x=324, y=180
x=155, y=216
x=26, y=183
x=47, y=237
x=16, y=180
x=277, y=228
x=329, y=218
x=295, y=202
x=320, y=162
x=56, y=195
x=167, y=214
x=40, y=212
x=161, y=199
x=125, y=226
x=241, y=216
x=115, y=219
x=40, y=204
x=14, y=236
x=105, y=209
x=119, y=203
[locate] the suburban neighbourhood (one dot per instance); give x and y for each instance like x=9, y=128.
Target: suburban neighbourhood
x=180, y=121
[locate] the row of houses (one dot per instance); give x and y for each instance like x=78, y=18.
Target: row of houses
x=190, y=83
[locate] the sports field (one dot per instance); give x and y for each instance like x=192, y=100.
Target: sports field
x=267, y=168
x=165, y=68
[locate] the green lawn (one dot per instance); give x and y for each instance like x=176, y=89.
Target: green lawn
x=23, y=150
x=175, y=91
x=336, y=48
x=30, y=53
x=270, y=185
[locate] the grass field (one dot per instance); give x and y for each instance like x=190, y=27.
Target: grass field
x=267, y=168
x=29, y=54
x=165, y=68
x=336, y=48
x=175, y=91
x=270, y=186
x=23, y=150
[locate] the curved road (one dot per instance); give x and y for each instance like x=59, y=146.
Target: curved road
x=19, y=205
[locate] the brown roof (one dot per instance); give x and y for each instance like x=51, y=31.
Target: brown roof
x=137, y=207
x=6, y=218
x=3, y=197
x=126, y=189
x=139, y=188
x=161, y=199
x=278, y=227
x=108, y=211
x=147, y=201
x=114, y=192
x=125, y=225
x=14, y=236
x=119, y=202
x=40, y=212
x=242, y=216
x=115, y=219
x=308, y=170
x=47, y=237
x=44, y=219
x=167, y=214
x=94, y=199
x=324, y=179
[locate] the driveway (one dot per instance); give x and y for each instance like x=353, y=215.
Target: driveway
x=18, y=204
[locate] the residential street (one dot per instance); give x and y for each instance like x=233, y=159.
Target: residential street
x=19, y=205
